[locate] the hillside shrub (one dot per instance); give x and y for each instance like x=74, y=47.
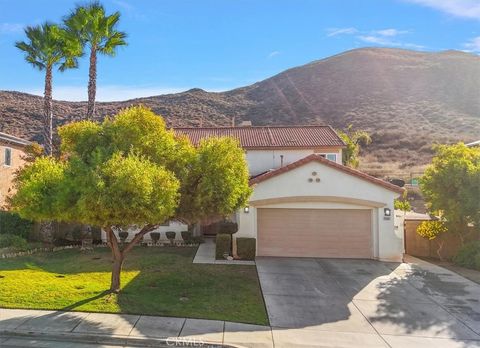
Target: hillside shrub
x=12, y=223
x=223, y=245
x=13, y=241
x=246, y=248
x=468, y=256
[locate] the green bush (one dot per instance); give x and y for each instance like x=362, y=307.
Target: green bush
x=187, y=236
x=155, y=236
x=171, y=236
x=227, y=227
x=12, y=223
x=223, y=245
x=13, y=241
x=123, y=236
x=469, y=255
x=246, y=248
x=197, y=240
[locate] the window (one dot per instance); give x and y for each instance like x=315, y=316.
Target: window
x=330, y=156
x=8, y=156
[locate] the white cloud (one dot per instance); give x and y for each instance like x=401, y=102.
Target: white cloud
x=381, y=37
x=390, y=32
x=459, y=8
x=473, y=45
x=341, y=31
x=106, y=93
x=273, y=54
x=11, y=28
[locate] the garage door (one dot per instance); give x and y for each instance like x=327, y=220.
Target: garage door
x=342, y=233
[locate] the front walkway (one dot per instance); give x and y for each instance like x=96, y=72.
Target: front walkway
x=206, y=254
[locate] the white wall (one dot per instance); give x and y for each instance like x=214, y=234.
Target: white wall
x=260, y=161
x=174, y=226
x=335, y=190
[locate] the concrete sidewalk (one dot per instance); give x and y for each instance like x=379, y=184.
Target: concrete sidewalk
x=206, y=254
x=129, y=330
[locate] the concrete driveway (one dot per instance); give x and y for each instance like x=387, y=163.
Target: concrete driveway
x=364, y=303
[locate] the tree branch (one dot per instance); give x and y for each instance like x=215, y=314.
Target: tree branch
x=113, y=242
x=147, y=228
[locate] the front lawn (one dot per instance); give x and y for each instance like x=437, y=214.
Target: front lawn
x=155, y=281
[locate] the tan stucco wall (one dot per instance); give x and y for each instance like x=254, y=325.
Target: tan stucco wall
x=337, y=190
x=7, y=173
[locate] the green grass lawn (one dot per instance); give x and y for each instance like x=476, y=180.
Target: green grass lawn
x=155, y=281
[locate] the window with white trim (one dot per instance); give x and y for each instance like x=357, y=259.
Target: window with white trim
x=330, y=156
x=8, y=157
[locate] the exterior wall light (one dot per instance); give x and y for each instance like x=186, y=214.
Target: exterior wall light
x=387, y=213
x=246, y=210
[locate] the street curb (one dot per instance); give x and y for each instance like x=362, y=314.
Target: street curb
x=114, y=340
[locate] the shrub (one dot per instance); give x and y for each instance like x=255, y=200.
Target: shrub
x=123, y=236
x=469, y=255
x=171, y=236
x=246, y=248
x=12, y=223
x=223, y=245
x=187, y=236
x=155, y=236
x=227, y=227
x=13, y=241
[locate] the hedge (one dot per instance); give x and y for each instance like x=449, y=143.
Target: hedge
x=469, y=256
x=12, y=223
x=13, y=241
x=246, y=248
x=223, y=245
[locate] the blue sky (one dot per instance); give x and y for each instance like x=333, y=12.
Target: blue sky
x=218, y=45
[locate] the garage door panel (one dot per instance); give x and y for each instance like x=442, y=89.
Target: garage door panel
x=342, y=233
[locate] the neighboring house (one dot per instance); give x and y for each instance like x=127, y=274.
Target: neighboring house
x=305, y=203
x=11, y=157
x=475, y=143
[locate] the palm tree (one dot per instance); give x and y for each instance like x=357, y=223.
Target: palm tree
x=48, y=46
x=94, y=28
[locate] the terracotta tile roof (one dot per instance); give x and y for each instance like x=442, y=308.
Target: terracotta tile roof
x=269, y=136
x=329, y=163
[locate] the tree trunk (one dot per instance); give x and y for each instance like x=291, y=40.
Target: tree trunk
x=116, y=272
x=439, y=249
x=48, y=113
x=119, y=255
x=92, y=83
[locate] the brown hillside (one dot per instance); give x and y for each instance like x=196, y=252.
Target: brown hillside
x=406, y=99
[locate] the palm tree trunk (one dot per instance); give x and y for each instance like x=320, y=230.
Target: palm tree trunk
x=92, y=83
x=48, y=113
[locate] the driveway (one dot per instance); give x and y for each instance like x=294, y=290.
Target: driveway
x=364, y=303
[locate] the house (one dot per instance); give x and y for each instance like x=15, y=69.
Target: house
x=12, y=151
x=305, y=203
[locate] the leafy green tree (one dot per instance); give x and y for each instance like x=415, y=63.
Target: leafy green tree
x=432, y=230
x=49, y=46
x=402, y=205
x=451, y=187
x=354, y=139
x=132, y=171
x=93, y=27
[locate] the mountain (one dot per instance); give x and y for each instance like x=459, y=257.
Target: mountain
x=407, y=100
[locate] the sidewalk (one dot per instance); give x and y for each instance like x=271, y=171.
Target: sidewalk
x=206, y=254
x=129, y=330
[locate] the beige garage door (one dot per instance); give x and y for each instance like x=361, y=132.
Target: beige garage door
x=342, y=233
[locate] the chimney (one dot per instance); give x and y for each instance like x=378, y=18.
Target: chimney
x=246, y=124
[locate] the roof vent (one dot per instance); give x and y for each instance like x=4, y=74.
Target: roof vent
x=246, y=124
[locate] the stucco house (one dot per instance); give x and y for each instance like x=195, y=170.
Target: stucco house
x=305, y=203
x=12, y=151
